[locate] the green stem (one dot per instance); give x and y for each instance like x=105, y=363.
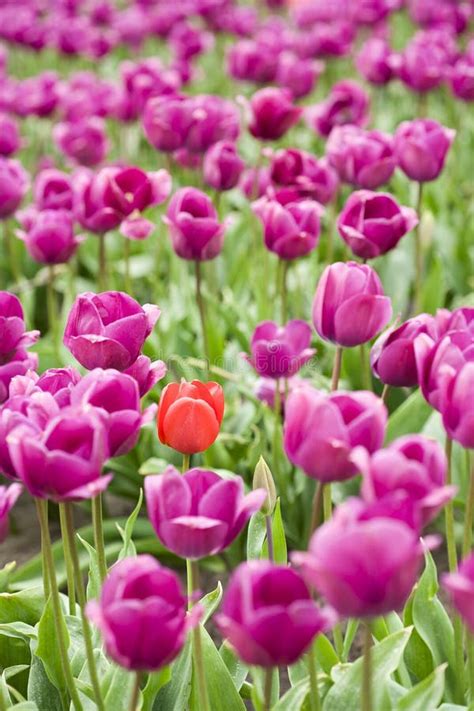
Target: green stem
x=276, y=432
x=267, y=702
x=186, y=463
x=202, y=310
x=327, y=502
x=60, y=625
x=470, y=667
x=135, y=692
x=366, y=689
x=336, y=369
x=385, y=391
x=316, y=508
x=269, y=527
x=417, y=302
x=68, y=559
x=67, y=513
x=102, y=275
x=284, y=264
x=46, y=586
x=10, y=253
x=97, y=524
x=3, y=706
x=126, y=253
x=365, y=367
x=469, y=514
x=198, y=658
x=52, y=309
x=314, y=698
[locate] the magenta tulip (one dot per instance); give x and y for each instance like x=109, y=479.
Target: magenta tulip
x=461, y=79
x=361, y=158
x=297, y=75
x=346, y=103
x=290, y=230
x=8, y=498
x=425, y=60
x=222, y=166
x=299, y=174
x=376, y=61
x=51, y=238
x=84, y=142
x=421, y=147
x=13, y=336
x=249, y=60
x=53, y=190
x=272, y=113
x=460, y=586
x=10, y=140
x=280, y=351
x=146, y=373
x=457, y=404
x=14, y=184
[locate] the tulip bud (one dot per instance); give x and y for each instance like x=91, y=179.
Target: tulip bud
x=263, y=479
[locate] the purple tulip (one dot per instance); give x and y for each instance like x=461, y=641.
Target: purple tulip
x=272, y=113
x=268, y=615
x=165, y=122
x=375, y=61
x=108, y=330
x=346, y=103
x=265, y=390
x=194, y=227
x=59, y=382
x=51, y=239
x=322, y=430
x=457, y=404
x=8, y=498
x=424, y=61
x=53, y=190
x=349, y=306
x=188, y=41
x=326, y=39
x=142, y=614
x=84, y=142
x=280, y=351
x=146, y=373
x=90, y=207
x=461, y=79
x=222, y=166
x=198, y=514
x=249, y=60
x=254, y=182
x=146, y=79
x=374, y=223
x=442, y=13
x=290, y=230
x=37, y=95
x=299, y=174
x=297, y=75
x=364, y=565
x=411, y=469
x=371, y=12
x=10, y=140
x=13, y=336
x=364, y=159
x=460, y=586
x=19, y=364
x=63, y=462
x=14, y=184
x=421, y=147
x=211, y=119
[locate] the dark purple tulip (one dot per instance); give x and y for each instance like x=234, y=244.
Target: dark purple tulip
x=146, y=373
x=38, y=95
x=302, y=175
x=364, y=159
x=8, y=498
x=462, y=79
x=53, y=190
x=346, y=103
x=14, y=184
x=51, y=238
x=130, y=190
x=373, y=223
x=375, y=61
x=442, y=14
x=290, y=230
x=59, y=382
x=412, y=469
x=142, y=614
x=248, y=60
x=460, y=586
x=165, y=122
x=64, y=462
x=210, y=119
x=321, y=430
x=424, y=61
x=298, y=75
x=268, y=615
x=194, y=227
x=421, y=147
x=280, y=351
x=108, y=330
x=13, y=336
x=146, y=79
x=222, y=166
x=188, y=41
x=10, y=140
x=84, y=142
x=254, y=182
x=20, y=363
x=198, y=514
x=326, y=39
x=457, y=404
x=349, y=306
x=272, y=113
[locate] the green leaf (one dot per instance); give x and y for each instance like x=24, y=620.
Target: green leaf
x=25, y=606
x=128, y=548
x=47, y=649
x=117, y=688
x=5, y=574
x=174, y=695
x=294, y=699
x=418, y=657
x=351, y=631
x=94, y=582
x=425, y=695
x=154, y=465
x=237, y=669
x=40, y=689
x=25, y=706
x=386, y=657
x=155, y=682
x=409, y=417
x=18, y=630
x=256, y=536
x=279, y=540
x=210, y=602
x=325, y=653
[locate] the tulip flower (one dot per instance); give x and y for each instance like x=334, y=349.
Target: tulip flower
x=165, y=122
x=373, y=223
x=37, y=95
x=349, y=306
x=53, y=190
x=272, y=113
x=346, y=103
x=280, y=352
x=190, y=415
x=387, y=550
x=376, y=61
x=299, y=174
x=13, y=336
x=10, y=139
x=460, y=587
x=222, y=166
x=268, y=615
x=51, y=238
x=14, y=184
x=321, y=430
x=84, y=142
x=457, y=404
x=297, y=75
x=424, y=61
x=19, y=363
x=291, y=230
x=254, y=182
x=249, y=60
x=8, y=498
x=421, y=147
x=195, y=231
x=198, y=514
x=462, y=79
x=142, y=614
x=60, y=383
x=146, y=373
x=108, y=330
x=361, y=158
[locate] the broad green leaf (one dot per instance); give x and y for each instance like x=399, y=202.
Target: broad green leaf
x=117, y=688
x=5, y=574
x=128, y=548
x=386, y=656
x=279, y=540
x=418, y=657
x=47, y=648
x=351, y=631
x=409, y=417
x=425, y=695
x=237, y=669
x=25, y=706
x=40, y=689
x=256, y=536
x=154, y=465
x=155, y=681
x=294, y=699
x=18, y=630
x=325, y=653
x=93, y=579
x=210, y=602
x=174, y=695
x=258, y=690
x=24, y=606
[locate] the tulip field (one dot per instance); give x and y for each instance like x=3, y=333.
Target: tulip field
x=237, y=355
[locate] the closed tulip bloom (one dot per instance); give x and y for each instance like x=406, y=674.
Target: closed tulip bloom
x=51, y=239
x=91, y=208
x=19, y=363
x=411, y=468
x=13, y=336
x=374, y=223
x=85, y=141
x=457, y=404
x=462, y=79
x=424, y=62
x=421, y=147
x=10, y=140
x=8, y=498
x=460, y=587
x=52, y=190
x=59, y=382
x=298, y=75
x=290, y=230
x=211, y=119
x=38, y=95
x=346, y=103
x=375, y=61
x=198, y=514
x=321, y=430
x=14, y=184
x=194, y=227
x=141, y=614
x=349, y=306
x=280, y=351
x=165, y=122
x=222, y=166
x=268, y=615
x=272, y=113
x=64, y=462
x=108, y=330
x=146, y=373
x=361, y=158
x=299, y=174
x=190, y=415
x=364, y=565
x=249, y=60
